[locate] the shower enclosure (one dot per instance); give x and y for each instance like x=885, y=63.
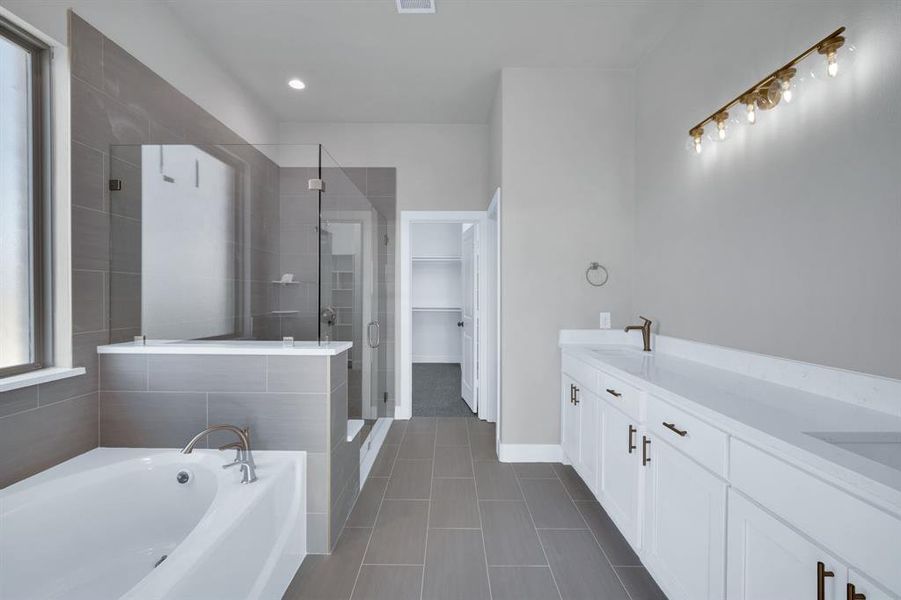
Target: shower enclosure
x=253, y=242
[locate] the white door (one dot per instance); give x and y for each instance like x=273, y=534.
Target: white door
x=768, y=560
x=469, y=323
x=570, y=416
x=620, y=470
x=684, y=536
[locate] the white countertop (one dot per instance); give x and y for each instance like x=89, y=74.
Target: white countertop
x=769, y=415
x=242, y=347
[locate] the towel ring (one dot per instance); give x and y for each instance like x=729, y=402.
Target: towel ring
x=596, y=266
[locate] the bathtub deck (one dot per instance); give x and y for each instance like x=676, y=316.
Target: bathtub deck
x=440, y=517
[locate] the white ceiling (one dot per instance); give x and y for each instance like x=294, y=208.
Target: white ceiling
x=363, y=62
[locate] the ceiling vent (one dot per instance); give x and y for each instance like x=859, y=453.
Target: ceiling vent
x=416, y=7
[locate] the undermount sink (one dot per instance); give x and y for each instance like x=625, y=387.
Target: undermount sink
x=881, y=446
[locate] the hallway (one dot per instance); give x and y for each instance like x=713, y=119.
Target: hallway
x=440, y=518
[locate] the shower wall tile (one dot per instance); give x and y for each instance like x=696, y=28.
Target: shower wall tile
x=297, y=374
x=90, y=247
x=276, y=421
x=18, y=400
x=209, y=373
x=86, y=57
x=151, y=419
x=123, y=372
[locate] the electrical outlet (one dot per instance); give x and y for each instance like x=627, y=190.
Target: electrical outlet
x=604, y=320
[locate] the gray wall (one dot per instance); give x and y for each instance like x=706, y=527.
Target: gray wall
x=115, y=100
x=786, y=239
x=287, y=402
x=567, y=162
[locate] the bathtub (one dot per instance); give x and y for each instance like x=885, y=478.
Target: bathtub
x=98, y=526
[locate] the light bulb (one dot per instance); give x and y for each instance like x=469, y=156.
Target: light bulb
x=721, y=130
x=752, y=113
x=721, y=120
x=786, y=86
x=832, y=64
x=696, y=135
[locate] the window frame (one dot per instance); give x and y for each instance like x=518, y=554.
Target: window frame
x=38, y=89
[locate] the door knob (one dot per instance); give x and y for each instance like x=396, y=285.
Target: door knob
x=459, y=323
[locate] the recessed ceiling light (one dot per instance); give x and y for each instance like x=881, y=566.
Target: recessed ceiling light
x=297, y=84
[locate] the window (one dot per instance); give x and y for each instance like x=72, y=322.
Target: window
x=22, y=330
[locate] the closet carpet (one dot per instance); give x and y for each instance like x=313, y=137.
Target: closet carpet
x=436, y=391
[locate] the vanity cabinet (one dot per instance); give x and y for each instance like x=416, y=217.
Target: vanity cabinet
x=620, y=477
x=684, y=524
x=768, y=560
x=710, y=512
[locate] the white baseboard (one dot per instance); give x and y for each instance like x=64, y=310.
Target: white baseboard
x=530, y=453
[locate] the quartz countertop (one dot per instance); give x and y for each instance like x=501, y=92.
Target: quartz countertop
x=769, y=415
x=241, y=347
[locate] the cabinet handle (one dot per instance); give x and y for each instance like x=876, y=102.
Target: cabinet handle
x=632, y=432
x=672, y=427
x=822, y=574
x=576, y=397
x=614, y=393
x=853, y=594
x=645, y=443
x=572, y=393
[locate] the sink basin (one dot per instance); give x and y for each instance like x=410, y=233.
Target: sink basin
x=881, y=446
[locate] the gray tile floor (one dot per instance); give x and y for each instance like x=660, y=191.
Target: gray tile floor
x=441, y=519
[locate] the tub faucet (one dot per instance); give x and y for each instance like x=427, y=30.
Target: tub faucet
x=244, y=456
x=645, y=332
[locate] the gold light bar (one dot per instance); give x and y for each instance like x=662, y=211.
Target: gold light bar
x=766, y=93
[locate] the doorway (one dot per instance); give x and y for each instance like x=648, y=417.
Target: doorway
x=444, y=319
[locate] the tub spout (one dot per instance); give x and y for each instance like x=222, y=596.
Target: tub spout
x=244, y=456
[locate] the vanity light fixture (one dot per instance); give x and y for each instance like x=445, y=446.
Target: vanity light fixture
x=767, y=93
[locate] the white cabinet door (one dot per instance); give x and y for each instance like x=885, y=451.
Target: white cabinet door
x=569, y=415
x=866, y=588
x=768, y=560
x=684, y=534
x=589, y=406
x=620, y=477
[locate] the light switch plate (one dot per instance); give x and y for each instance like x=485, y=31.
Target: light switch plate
x=604, y=322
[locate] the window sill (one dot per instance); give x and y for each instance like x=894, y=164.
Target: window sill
x=15, y=382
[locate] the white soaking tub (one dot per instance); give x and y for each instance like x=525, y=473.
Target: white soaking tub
x=94, y=527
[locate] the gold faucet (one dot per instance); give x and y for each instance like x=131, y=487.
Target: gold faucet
x=645, y=332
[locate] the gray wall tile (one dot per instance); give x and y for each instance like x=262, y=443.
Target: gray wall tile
x=297, y=374
x=151, y=419
x=90, y=239
x=88, y=313
x=342, y=507
x=207, y=373
x=317, y=482
x=338, y=416
x=18, y=400
x=99, y=120
x=276, y=421
x=338, y=370
x=317, y=533
x=35, y=440
x=87, y=55
x=87, y=177
x=123, y=372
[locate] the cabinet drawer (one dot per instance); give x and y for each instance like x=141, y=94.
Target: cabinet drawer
x=621, y=395
x=584, y=375
x=702, y=442
x=866, y=537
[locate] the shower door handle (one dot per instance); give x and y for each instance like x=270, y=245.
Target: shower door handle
x=378, y=334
